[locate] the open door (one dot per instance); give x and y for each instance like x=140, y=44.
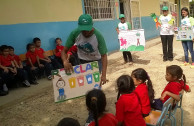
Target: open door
x=125, y=9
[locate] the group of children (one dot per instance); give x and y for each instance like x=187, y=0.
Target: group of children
x=37, y=65
x=135, y=98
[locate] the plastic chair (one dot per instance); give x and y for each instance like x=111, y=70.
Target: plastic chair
x=158, y=118
x=178, y=105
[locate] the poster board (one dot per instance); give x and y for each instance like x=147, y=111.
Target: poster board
x=184, y=33
x=133, y=40
x=68, y=86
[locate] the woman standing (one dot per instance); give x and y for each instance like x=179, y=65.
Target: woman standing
x=167, y=34
x=187, y=45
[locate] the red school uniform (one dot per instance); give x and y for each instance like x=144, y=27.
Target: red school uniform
x=73, y=49
x=175, y=88
x=16, y=58
x=40, y=52
x=32, y=56
x=142, y=93
x=59, y=48
x=5, y=61
x=107, y=120
x=128, y=110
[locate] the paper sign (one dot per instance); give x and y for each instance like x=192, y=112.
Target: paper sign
x=133, y=40
x=184, y=33
x=84, y=78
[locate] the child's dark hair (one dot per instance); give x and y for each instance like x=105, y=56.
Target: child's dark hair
x=96, y=103
x=58, y=39
x=176, y=71
x=68, y=122
x=125, y=84
x=36, y=39
x=141, y=74
x=10, y=47
x=185, y=9
x=3, y=47
x=29, y=45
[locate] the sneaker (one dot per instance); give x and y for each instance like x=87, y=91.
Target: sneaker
x=5, y=88
x=192, y=65
x=50, y=77
x=185, y=64
x=34, y=82
x=26, y=83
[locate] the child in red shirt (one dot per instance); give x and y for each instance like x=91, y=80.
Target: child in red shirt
x=128, y=108
x=44, y=59
x=34, y=67
x=177, y=80
x=144, y=90
x=58, y=64
x=96, y=104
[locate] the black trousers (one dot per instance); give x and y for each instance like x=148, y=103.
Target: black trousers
x=167, y=46
x=127, y=56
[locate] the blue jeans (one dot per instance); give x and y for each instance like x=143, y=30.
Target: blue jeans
x=188, y=45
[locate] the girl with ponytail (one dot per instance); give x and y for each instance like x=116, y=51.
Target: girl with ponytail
x=128, y=108
x=177, y=82
x=96, y=104
x=144, y=89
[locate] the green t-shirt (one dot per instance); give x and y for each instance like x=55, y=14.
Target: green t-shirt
x=90, y=48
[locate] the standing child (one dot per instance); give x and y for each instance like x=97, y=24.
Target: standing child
x=96, y=104
x=128, y=109
x=167, y=34
x=33, y=64
x=124, y=26
x=43, y=58
x=187, y=21
x=144, y=89
x=177, y=82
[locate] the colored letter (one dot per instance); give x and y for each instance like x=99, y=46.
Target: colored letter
x=96, y=76
x=89, y=78
x=81, y=70
x=72, y=82
x=75, y=69
x=94, y=64
x=88, y=67
x=80, y=80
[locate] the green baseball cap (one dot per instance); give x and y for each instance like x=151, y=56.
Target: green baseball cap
x=121, y=16
x=85, y=22
x=164, y=8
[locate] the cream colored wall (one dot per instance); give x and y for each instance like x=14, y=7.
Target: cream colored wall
x=149, y=6
x=35, y=11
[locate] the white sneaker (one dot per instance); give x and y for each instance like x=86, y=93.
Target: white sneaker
x=5, y=87
x=26, y=83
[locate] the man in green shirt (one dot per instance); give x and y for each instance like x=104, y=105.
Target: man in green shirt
x=90, y=43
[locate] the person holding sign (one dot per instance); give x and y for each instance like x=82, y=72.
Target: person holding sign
x=91, y=46
x=167, y=34
x=187, y=45
x=124, y=26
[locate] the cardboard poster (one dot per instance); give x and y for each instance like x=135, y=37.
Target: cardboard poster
x=184, y=33
x=133, y=40
x=84, y=78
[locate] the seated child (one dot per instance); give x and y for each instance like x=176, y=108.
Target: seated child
x=44, y=59
x=96, y=104
x=33, y=65
x=8, y=68
x=177, y=82
x=58, y=50
x=68, y=122
x=144, y=89
x=128, y=108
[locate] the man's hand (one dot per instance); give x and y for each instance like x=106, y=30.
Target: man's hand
x=103, y=80
x=68, y=67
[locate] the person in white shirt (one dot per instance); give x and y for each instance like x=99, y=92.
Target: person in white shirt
x=167, y=34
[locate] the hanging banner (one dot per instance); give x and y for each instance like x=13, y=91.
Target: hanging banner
x=84, y=78
x=133, y=40
x=184, y=33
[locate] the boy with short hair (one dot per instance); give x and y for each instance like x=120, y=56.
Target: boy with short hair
x=44, y=59
x=8, y=68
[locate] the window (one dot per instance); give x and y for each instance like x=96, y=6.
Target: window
x=100, y=9
x=135, y=14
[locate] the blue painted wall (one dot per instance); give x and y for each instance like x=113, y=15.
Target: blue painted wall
x=18, y=35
